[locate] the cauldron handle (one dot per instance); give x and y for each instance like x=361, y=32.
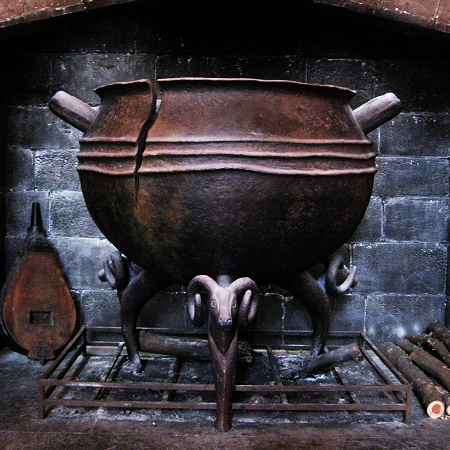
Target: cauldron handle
x=377, y=111
x=138, y=96
x=72, y=110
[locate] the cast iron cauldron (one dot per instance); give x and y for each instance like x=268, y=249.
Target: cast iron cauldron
x=235, y=176
x=231, y=178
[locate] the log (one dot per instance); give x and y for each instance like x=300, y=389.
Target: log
x=182, y=347
x=431, y=343
x=430, y=396
x=426, y=362
x=328, y=360
x=441, y=332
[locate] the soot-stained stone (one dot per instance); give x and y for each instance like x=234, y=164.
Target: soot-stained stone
x=416, y=219
x=370, y=228
x=165, y=310
x=411, y=176
x=56, y=170
x=18, y=211
x=100, y=308
x=358, y=75
x=270, y=313
x=348, y=312
x=80, y=74
x=26, y=80
x=409, y=268
x=83, y=259
x=37, y=128
x=391, y=317
x=426, y=83
x=416, y=135
x=18, y=169
x=70, y=217
x=275, y=67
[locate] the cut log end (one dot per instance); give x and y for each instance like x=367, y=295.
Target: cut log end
x=436, y=409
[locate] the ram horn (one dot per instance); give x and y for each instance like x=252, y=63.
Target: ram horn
x=331, y=280
x=249, y=303
x=195, y=306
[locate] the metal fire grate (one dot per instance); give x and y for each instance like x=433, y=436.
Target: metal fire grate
x=70, y=383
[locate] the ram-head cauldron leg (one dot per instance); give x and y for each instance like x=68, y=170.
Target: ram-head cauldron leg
x=224, y=306
x=133, y=290
x=316, y=294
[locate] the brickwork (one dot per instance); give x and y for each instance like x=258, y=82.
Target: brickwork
x=401, y=245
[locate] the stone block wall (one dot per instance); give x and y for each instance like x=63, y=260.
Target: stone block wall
x=401, y=246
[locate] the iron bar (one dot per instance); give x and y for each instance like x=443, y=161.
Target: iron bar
x=108, y=372
x=276, y=373
x=337, y=375
x=64, y=370
x=236, y=406
x=81, y=333
x=174, y=372
x=48, y=385
x=379, y=372
x=386, y=361
x=43, y=393
x=148, y=385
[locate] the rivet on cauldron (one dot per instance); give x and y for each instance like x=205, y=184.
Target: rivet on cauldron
x=230, y=179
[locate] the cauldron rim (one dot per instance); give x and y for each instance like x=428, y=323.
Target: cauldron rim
x=244, y=80
x=344, y=90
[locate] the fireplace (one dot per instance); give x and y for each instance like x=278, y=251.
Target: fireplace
x=401, y=246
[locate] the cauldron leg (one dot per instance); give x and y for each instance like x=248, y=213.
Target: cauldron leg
x=308, y=290
x=132, y=299
x=227, y=304
x=133, y=290
x=224, y=370
x=316, y=294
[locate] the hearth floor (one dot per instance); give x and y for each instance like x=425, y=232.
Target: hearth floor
x=102, y=429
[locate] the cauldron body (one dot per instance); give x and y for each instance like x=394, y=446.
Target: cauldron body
x=229, y=221
x=232, y=176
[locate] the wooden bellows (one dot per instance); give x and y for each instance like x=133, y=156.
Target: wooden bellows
x=38, y=314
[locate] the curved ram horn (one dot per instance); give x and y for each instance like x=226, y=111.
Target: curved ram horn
x=195, y=306
x=115, y=271
x=250, y=300
x=336, y=264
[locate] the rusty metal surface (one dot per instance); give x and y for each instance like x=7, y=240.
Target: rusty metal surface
x=238, y=177
x=56, y=377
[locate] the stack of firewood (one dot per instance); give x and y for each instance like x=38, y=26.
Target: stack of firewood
x=424, y=360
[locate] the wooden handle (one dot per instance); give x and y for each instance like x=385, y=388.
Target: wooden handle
x=377, y=111
x=71, y=110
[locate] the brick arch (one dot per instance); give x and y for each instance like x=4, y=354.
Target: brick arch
x=25, y=14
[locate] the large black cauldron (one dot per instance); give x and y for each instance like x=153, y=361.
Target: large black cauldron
x=237, y=177
x=231, y=178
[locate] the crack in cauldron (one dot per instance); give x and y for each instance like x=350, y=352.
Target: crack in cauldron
x=141, y=143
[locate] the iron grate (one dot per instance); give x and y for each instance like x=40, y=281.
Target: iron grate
x=70, y=383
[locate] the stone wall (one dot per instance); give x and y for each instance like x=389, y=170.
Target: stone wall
x=401, y=246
